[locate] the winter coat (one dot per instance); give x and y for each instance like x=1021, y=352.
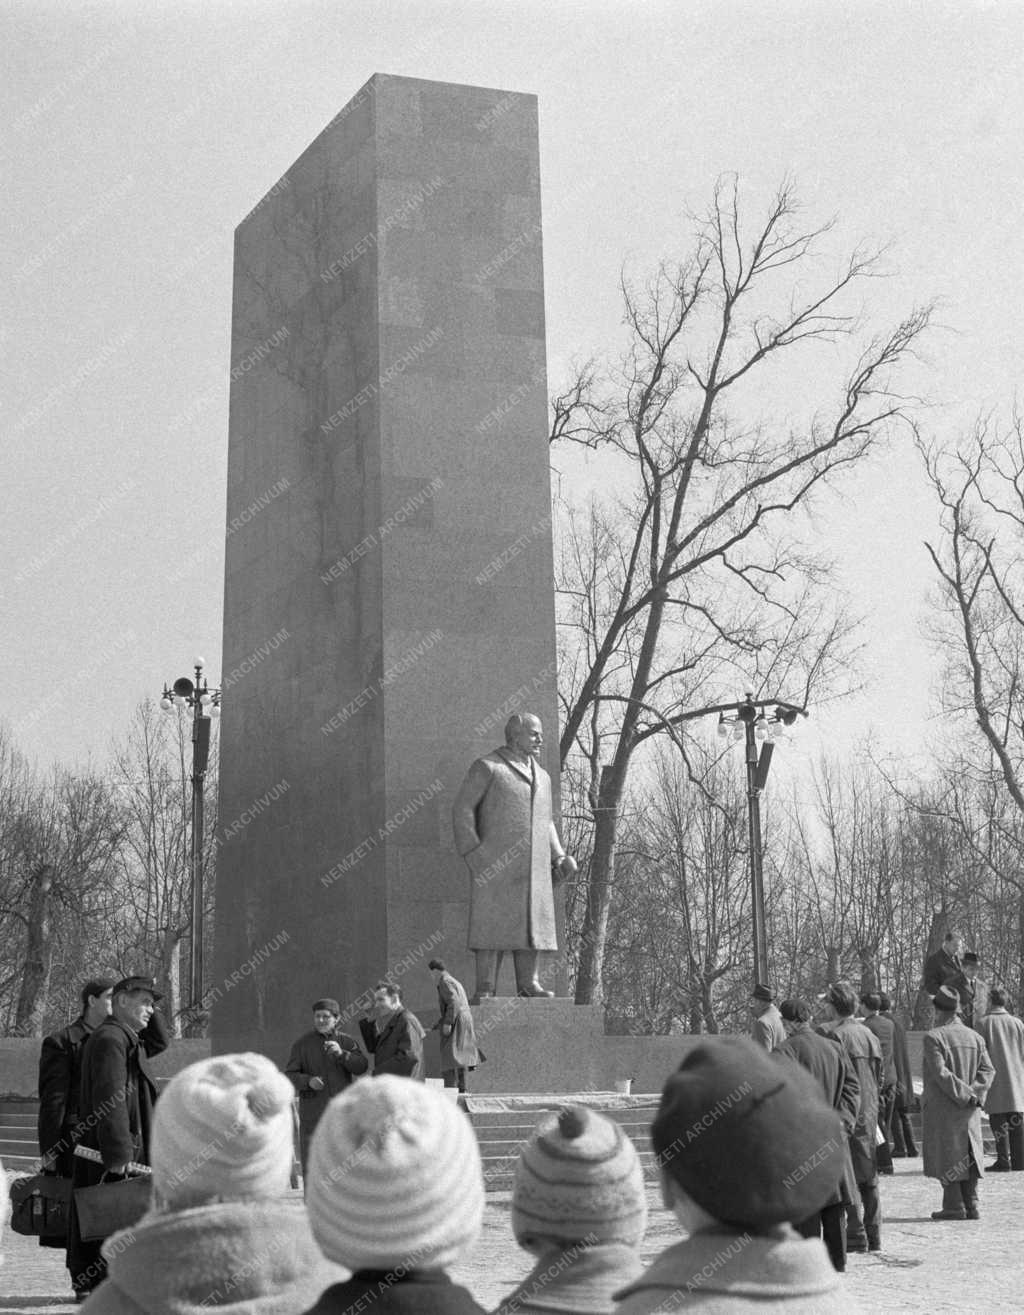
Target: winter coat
x=398, y=1048
x=973, y=1001
x=901, y=1060
x=458, y=1035
x=309, y=1058
x=574, y=1280
x=825, y=1059
x=767, y=1029
x=723, y=1271
x=865, y=1055
x=60, y=1079
x=391, y=1292
x=248, y=1257
x=957, y=1075
x=942, y=969
x=118, y=1092
x=884, y=1030
x=502, y=817
x=1004, y=1037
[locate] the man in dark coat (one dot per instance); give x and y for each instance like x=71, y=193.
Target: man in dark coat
x=945, y=967
x=459, y=1050
x=902, y=1133
x=504, y=829
x=60, y=1077
x=825, y=1059
x=957, y=1076
x=322, y=1063
x=116, y=1107
x=865, y=1055
x=885, y=1032
x=393, y=1035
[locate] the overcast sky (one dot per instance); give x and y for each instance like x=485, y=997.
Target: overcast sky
x=135, y=136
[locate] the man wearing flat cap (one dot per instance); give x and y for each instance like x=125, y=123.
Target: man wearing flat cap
x=116, y=1107
x=957, y=1074
x=745, y=1144
x=322, y=1062
x=766, y=1028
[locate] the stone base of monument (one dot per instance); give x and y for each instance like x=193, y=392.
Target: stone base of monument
x=553, y=1045
x=502, y=1123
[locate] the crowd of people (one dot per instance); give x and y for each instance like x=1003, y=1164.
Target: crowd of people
x=769, y=1152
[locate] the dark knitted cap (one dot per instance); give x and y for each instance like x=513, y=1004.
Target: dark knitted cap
x=748, y=1136
x=947, y=999
x=795, y=1011
x=330, y=1005
x=762, y=993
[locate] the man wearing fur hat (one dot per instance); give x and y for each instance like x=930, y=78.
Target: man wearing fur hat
x=865, y=1055
x=322, y=1063
x=957, y=1074
x=745, y=1144
x=825, y=1059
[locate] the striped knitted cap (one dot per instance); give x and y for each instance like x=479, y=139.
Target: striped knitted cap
x=579, y=1179
x=394, y=1178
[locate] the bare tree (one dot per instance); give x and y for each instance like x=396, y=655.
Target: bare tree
x=692, y=577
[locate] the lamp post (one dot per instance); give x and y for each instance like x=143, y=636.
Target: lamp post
x=751, y=723
x=205, y=704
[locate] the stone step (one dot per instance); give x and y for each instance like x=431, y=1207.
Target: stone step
x=20, y=1164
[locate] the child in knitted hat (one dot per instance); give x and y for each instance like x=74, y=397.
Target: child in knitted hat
x=580, y=1207
x=221, y=1231
x=395, y=1194
x=745, y=1144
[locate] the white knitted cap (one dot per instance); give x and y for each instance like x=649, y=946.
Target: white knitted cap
x=223, y=1128
x=394, y=1177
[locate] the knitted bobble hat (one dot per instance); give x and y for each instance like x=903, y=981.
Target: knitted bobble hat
x=579, y=1179
x=394, y=1178
x=223, y=1129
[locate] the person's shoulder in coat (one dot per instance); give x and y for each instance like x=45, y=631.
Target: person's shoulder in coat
x=59, y=1076
x=419, y=1292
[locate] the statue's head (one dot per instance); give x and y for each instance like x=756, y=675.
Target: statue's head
x=524, y=732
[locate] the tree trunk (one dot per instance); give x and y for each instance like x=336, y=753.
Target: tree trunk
x=868, y=970
x=831, y=963
x=171, y=961
x=602, y=863
x=35, y=985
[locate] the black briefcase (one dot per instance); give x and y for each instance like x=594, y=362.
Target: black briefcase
x=40, y=1206
x=109, y=1207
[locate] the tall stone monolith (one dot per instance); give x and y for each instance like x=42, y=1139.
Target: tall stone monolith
x=388, y=593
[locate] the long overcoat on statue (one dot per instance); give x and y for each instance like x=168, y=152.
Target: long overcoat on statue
x=503, y=825
x=1004, y=1038
x=458, y=1043
x=865, y=1056
x=957, y=1075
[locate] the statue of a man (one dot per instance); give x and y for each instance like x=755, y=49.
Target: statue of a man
x=504, y=831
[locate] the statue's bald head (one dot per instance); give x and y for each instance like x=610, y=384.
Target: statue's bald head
x=524, y=732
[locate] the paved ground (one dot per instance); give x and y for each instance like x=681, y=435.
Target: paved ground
x=924, y=1266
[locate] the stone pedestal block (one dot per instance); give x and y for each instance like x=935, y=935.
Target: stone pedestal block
x=388, y=593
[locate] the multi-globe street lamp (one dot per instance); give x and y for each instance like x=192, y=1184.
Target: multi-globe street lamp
x=205, y=704
x=753, y=723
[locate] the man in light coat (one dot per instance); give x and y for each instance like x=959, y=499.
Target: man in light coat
x=1004, y=1036
x=957, y=1076
x=766, y=1026
x=502, y=818
x=459, y=1050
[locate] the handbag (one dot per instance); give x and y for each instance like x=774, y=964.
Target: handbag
x=40, y=1206
x=109, y=1207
